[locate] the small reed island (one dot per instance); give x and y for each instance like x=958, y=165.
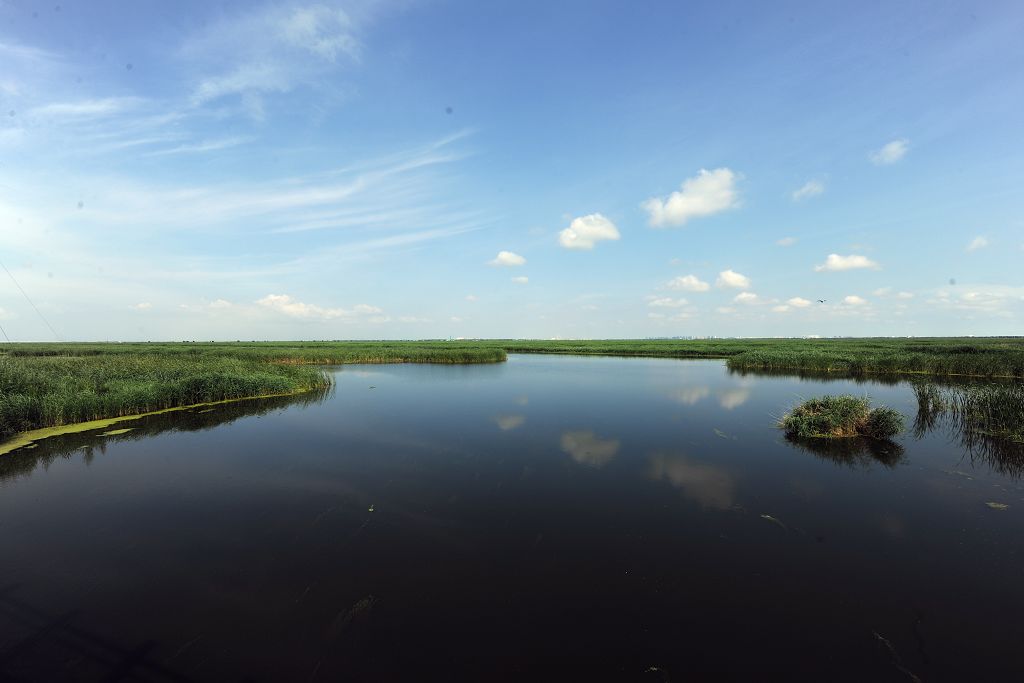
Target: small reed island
x=837, y=417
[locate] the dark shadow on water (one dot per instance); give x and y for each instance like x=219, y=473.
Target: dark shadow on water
x=48, y=643
x=24, y=461
x=852, y=452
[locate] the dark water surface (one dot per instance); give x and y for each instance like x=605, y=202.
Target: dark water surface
x=549, y=518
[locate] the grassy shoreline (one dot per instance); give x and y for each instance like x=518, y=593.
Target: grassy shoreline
x=60, y=384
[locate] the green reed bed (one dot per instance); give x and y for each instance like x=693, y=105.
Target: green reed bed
x=51, y=391
x=848, y=357
x=994, y=411
x=53, y=385
x=838, y=417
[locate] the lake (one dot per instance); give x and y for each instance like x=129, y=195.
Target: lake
x=552, y=517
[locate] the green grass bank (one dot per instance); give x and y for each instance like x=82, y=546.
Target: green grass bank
x=49, y=385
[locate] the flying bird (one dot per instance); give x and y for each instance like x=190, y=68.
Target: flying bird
x=821, y=301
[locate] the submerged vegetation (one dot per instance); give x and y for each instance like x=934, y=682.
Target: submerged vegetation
x=834, y=417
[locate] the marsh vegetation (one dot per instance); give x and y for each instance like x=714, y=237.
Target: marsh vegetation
x=839, y=417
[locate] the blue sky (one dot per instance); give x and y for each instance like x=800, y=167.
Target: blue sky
x=194, y=170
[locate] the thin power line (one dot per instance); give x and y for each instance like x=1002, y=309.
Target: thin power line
x=5, y=334
x=38, y=312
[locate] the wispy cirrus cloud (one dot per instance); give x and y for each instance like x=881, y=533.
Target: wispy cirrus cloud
x=812, y=188
x=890, y=153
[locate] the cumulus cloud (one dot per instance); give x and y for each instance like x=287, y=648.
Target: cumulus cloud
x=285, y=304
x=521, y=280
x=707, y=193
x=854, y=300
x=786, y=242
x=977, y=243
x=730, y=278
x=835, y=262
x=587, y=449
x=689, y=283
x=472, y=297
x=747, y=298
x=781, y=308
x=798, y=302
x=809, y=189
x=667, y=302
x=143, y=306
x=890, y=153
x=586, y=231
x=507, y=259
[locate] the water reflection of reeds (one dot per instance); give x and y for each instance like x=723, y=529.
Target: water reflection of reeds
x=24, y=461
x=987, y=419
x=852, y=452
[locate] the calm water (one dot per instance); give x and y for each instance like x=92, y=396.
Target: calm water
x=548, y=518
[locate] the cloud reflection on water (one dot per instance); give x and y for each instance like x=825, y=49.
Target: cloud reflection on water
x=710, y=486
x=588, y=449
x=509, y=422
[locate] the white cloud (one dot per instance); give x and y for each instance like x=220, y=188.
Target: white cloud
x=285, y=304
x=323, y=31
x=586, y=231
x=904, y=295
x=667, y=302
x=725, y=310
x=587, y=449
x=507, y=258
x=786, y=242
x=747, y=298
x=730, y=278
x=854, y=300
x=835, y=262
x=781, y=308
x=220, y=304
x=521, y=280
x=798, y=302
x=978, y=242
x=999, y=300
x=809, y=189
x=472, y=297
x=199, y=147
x=107, y=106
x=707, y=193
x=689, y=283
x=144, y=306
x=890, y=153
